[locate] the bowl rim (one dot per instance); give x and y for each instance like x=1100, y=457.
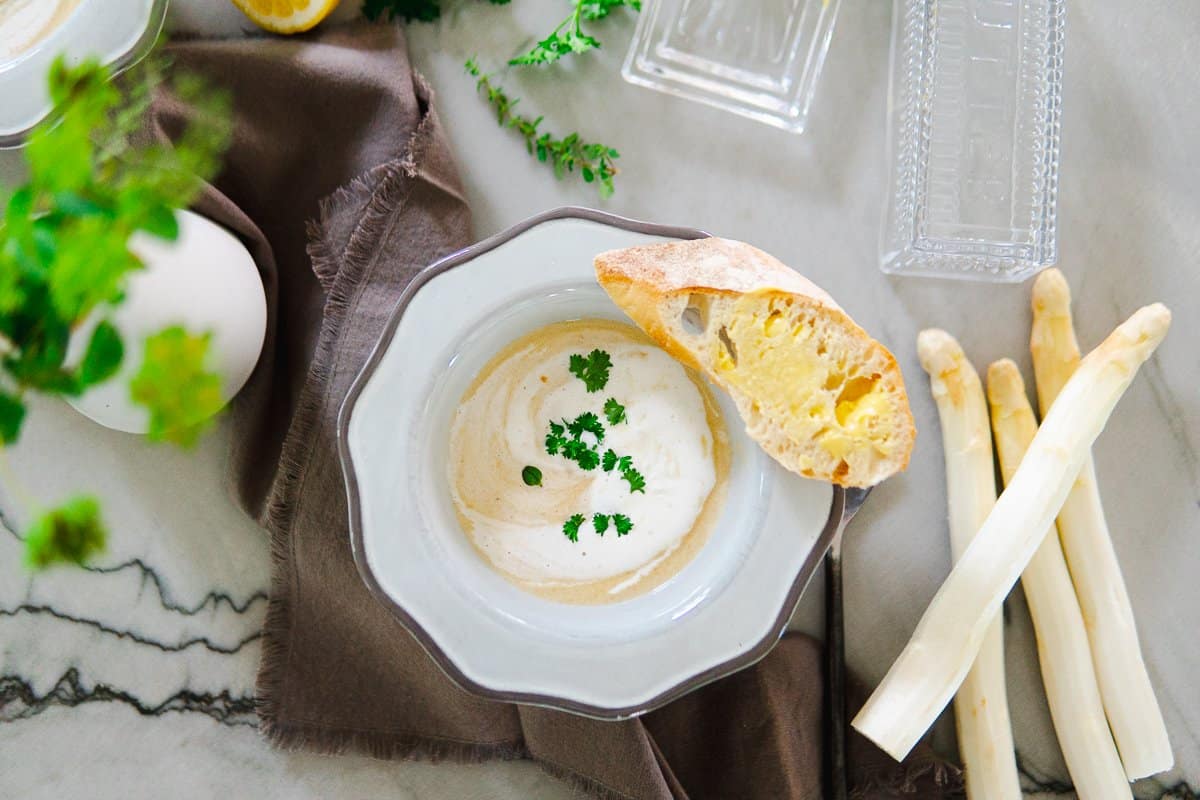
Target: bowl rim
x=744, y=659
x=116, y=62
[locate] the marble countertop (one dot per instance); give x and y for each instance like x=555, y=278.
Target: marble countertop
x=134, y=678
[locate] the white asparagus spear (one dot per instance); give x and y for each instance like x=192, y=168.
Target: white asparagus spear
x=937, y=657
x=1133, y=712
x=985, y=740
x=1062, y=643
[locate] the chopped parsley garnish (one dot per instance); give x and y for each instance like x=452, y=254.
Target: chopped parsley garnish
x=571, y=527
x=588, y=460
x=555, y=439
x=586, y=423
x=636, y=482
x=614, y=411
x=624, y=465
x=566, y=438
x=592, y=369
x=532, y=476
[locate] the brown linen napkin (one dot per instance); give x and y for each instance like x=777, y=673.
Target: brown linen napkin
x=337, y=128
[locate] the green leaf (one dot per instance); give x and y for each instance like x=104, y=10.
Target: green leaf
x=588, y=460
x=175, y=385
x=592, y=369
x=622, y=523
x=577, y=451
x=532, y=476
x=635, y=480
x=610, y=460
x=72, y=533
x=587, y=422
x=614, y=412
x=160, y=221
x=600, y=523
x=12, y=414
x=103, y=356
x=571, y=527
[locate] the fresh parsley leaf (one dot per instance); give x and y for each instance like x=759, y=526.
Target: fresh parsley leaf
x=587, y=422
x=599, y=9
x=557, y=45
x=72, y=533
x=614, y=411
x=555, y=438
x=592, y=369
x=103, y=356
x=624, y=463
x=622, y=523
x=569, y=37
x=635, y=480
x=12, y=413
x=571, y=527
x=588, y=460
x=532, y=476
x=600, y=523
x=572, y=449
x=595, y=162
x=610, y=460
x=177, y=387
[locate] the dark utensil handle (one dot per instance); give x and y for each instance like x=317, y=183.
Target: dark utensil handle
x=835, y=672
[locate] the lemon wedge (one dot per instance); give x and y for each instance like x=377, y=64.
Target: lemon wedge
x=286, y=16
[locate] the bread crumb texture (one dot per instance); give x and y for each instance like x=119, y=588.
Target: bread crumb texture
x=813, y=389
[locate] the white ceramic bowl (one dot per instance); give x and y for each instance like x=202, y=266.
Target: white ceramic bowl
x=721, y=612
x=117, y=32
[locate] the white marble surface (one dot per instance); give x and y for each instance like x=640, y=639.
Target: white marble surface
x=134, y=679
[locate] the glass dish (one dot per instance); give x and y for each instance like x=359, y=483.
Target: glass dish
x=757, y=58
x=973, y=138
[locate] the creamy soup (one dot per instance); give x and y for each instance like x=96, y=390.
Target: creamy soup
x=25, y=23
x=581, y=490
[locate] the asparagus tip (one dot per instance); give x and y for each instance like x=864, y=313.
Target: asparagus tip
x=1005, y=386
x=1051, y=294
x=938, y=351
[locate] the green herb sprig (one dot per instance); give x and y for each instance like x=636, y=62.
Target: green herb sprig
x=64, y=262
x=569, y=37
x=571, y=527
x=595, y=162
x=614, y=412
x=592, y=369
x=622, y=523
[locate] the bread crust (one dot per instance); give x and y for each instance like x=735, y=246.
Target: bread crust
x=654, y=283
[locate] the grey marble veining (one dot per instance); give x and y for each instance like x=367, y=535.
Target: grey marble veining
x=135, y=678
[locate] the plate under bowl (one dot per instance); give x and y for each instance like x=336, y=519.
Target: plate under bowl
x=721, y=612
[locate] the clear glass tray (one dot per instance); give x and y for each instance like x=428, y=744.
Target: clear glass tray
x=757, y=58
x=973, y=140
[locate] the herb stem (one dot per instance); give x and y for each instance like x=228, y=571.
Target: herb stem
x=595, y=161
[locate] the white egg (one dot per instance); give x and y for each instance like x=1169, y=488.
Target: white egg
x=205, y=281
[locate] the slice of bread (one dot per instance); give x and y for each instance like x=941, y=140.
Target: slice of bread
x=818, y=394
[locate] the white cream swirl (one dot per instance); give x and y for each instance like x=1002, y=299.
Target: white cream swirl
x=500, y=427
